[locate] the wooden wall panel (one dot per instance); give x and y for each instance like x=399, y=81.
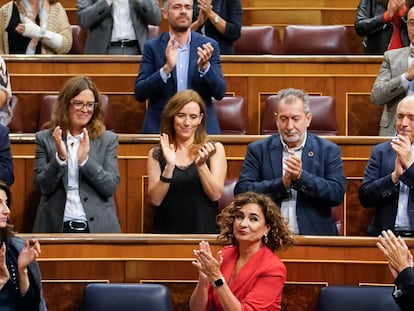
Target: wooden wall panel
x=135, y=214
x=70, y=261
x=346, y=79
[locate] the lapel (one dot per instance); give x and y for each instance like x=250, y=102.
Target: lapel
x=192, y=66
x=308, y=153
x=403, y=59
x=246, y=272
x=165, y=37
x=275, y=156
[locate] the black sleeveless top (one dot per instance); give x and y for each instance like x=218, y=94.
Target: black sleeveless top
x=185, y=208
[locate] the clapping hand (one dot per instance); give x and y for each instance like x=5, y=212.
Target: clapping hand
x=204, y=54
x=207, y=265
x=168, y=149
x=28, y=254
x=396, y=252
x=4, y=272
x=206, y=151
x=60, y=145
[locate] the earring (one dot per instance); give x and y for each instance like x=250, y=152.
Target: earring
x=265, y=239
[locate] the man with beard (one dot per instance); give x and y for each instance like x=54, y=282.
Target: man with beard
x=177, y=60
x=389, y=177
x=303, y=173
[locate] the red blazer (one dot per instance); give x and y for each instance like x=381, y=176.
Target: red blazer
x=259, y=283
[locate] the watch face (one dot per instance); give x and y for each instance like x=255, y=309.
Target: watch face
x=218, y=283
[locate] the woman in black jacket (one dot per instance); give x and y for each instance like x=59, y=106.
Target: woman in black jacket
x=376, y=20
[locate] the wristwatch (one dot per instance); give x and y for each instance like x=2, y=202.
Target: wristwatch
x=216, y=19
x=218, y=283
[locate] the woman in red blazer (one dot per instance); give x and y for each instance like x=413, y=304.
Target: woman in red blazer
x=242, y=274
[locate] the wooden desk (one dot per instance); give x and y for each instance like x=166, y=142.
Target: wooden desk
x=348, y=79
x=135, y=217
x=68, y=262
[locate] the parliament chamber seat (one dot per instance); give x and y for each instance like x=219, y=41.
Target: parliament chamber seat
x=126, y=297
x=16, y=123
x=257, y=40
x=228, y=193
x=79, y=39
x=153, y=31
x=315, y=40
x=323, y=116
x=48, y=102
x=356, y=298
x=231, y=113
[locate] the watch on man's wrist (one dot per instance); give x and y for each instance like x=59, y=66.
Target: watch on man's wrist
x=216, y=19
x=218, y=283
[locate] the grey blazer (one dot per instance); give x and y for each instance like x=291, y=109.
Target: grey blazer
x=98, y=181
x=96, y=17
x=388, y=89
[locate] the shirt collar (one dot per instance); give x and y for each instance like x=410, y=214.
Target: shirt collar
x=299, y=148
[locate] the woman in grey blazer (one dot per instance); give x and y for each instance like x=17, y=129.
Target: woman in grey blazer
x=76, y=165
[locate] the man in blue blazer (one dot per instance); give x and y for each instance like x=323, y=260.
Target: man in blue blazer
x=300, y=171
x=176, y=60
x=389, y=178
x=6, y=160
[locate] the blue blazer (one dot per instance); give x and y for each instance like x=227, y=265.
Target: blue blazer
x=149, y=84
x=6, y=160
x=321, y=186
x=377, y=189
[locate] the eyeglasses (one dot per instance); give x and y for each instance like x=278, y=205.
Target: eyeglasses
x=410, y=22
x=79, y=105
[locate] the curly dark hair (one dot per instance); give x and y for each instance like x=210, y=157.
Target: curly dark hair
x=279, y=236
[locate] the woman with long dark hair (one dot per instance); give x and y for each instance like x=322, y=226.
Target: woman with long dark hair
x=20, y=279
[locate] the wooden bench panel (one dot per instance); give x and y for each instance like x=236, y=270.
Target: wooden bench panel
x=134, y=214
x=70, y=261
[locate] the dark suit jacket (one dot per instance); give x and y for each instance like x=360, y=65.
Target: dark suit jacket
x=149, y=84
x=98, y=181
x=232, y=13
x=321, y=186
x=377, y=189
x=34, y=271
x=405, y=282
x=6, y=160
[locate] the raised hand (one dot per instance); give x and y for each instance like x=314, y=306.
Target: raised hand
x=28, y=254
x=60, y=145
x=204, y=54
x=171, y=54
x=4, y=272
x=168, y=149
x=84, y=146
x=206, y=151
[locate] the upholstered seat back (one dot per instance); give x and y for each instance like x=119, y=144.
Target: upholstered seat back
x=322, y=109
x=231, y=113
x=126, y=297
x=356, y=298
x=258, y=40
x=153, y=31
x=228, y=193
x=48, y=102
x=79, y=39
x=315, y=40
x=16, y=123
